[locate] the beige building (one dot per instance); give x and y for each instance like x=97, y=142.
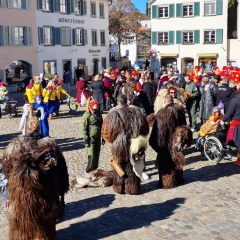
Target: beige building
x=17, y=44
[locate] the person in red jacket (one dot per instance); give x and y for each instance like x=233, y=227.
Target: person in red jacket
x=196, y=75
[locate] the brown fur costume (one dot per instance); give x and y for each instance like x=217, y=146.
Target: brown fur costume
x=36, y=182
x=119, y=127
x=168, y=137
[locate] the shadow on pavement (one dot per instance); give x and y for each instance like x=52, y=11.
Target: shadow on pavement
x=5, y=139
x=118, y=220
x=211, y=172
x=70, y=144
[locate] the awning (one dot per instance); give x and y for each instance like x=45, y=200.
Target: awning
x=168, y=55
x=207, y=55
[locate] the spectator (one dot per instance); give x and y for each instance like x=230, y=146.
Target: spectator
x=172, y=91
x=67, y=81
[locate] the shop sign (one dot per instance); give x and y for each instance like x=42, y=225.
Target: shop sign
x=94, y=50
x=67, y=20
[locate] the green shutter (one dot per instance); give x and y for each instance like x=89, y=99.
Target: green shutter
x=179, y=10
x=1, y=36
x=171, y=37
x=196, y=9
x=154, y=11
x=219, y=7
x=196, y=36
x=219, y=36
x=171, y=10
x=178, y=37
x=154, y=38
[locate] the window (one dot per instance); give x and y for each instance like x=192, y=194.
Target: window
x=102, y=33
x=104, y=63
x=19, y=35
x=209, y=36
x=163, y=38
x=66, y=36
x=79, y=36
x=188, y=10
x=49, y=67
x=46, y=5
x=209, y=8
x=63, y=6
x=47, y=36
x=78, y=7
x=94, y=37
x=93, y=9
x=188, y=37
x=101, y=10
x=126, y=52
x=17, y=3
x=163, y=12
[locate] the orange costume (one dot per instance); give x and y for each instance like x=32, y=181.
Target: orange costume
x=196, y=75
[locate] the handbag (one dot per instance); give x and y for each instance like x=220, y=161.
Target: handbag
x=3, y=188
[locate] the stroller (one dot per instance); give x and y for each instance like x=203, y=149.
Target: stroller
x=9, y=106
x=71, y=101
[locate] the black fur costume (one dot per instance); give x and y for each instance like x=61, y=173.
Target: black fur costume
x=168, y=137
x=119, y=127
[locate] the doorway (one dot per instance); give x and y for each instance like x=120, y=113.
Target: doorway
x=169, y=63
x=95, y=66
x=67, y=66
x=187, y=65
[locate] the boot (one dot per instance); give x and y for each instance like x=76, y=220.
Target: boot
x=50, y=117
x=238, y=157
x=57, y=113
x=90, y=164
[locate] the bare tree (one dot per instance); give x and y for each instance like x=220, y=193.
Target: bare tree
x=231, y=3
x=123, y=20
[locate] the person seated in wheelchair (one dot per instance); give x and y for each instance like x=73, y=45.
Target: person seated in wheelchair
x=209, y=127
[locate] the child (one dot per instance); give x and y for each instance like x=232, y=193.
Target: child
x=92, y=124
x=42, y=114
x=27, y=113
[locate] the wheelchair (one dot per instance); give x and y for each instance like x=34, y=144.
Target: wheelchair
x=9, y=106
x=214, y=145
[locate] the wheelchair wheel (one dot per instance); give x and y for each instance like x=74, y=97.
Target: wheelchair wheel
x=213, y=149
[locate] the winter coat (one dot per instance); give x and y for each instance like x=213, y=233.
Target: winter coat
x=147, y=89
x=81, y=86
x=98, y=94
x=159, y=100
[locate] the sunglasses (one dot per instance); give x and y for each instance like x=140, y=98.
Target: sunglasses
x=172, y=92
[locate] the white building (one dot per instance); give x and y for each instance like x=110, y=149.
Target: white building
x=72, y=33
x=188, y=33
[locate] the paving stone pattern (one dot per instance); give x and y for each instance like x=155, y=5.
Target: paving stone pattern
x=207, y=206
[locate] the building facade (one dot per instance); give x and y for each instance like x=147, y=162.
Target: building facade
x=185, y=34
x=72, y=33
x=17, y=31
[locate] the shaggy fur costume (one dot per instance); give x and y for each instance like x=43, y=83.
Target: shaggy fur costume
x=37, y=181
x=119, y=127
x=168, y=137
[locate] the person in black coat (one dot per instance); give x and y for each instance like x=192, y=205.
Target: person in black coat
x=98, y=92
x=223, y=93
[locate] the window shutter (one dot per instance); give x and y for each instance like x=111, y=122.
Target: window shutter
x=23, y=4
x=178, y=37
x=6, y=35
x=74, y=36
x=40, y=35
x=28, y=4
x=72, y=6
x=85, y=37
x=63, y=36
x=56, y=5
x=69, y=36
x=171, y=10
x=11, y=31
x=154, y=38
x=179, y=10
x=57, y=36
x=3, y=3
x=171, y=37
x=219, y=36
x=25, y=36
x=9, y=3
x=84, y=7
x=196, y=9
x=1, y=36
x=196, y=36
x=29, y=36
x=154, y=12
x=39, y=4
x=219, y=7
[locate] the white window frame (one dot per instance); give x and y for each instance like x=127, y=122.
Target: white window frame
x=210, y=14
x=79, y=37
x=188, y=10
x=78, y=7
x=103, y=44
x=209, y=40
x=93, y=14
x=63, y=6
x=48, y=40
x=101, y=5
x=17, y=40
x=46, y=5
x=164, y=42
x=94, y=31
x=163, y=6
x=188, y=37
x=17, y=3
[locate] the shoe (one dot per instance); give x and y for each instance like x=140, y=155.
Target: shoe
x=50, y=117
x=237, y=162
x=193, y=129
x=145, y=176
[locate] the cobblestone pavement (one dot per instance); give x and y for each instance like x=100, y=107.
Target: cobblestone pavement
x=205, y=207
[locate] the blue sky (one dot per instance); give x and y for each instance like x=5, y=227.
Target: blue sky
x=140, y=4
